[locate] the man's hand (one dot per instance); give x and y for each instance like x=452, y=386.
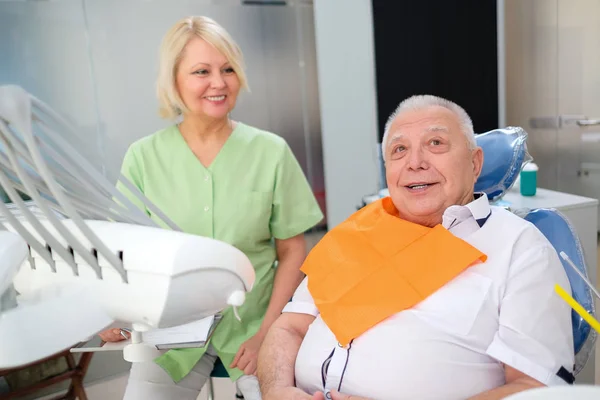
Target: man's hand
x=337, y=396
x=247, y=355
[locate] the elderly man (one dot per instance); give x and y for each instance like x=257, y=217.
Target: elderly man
x=428, y=294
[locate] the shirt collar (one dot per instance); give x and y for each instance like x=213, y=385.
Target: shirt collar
x=479, y=209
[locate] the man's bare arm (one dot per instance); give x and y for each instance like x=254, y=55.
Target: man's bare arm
x=277, y=356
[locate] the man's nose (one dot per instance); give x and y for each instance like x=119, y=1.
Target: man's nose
x=416, y=159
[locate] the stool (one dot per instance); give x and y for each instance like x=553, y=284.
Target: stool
x=75, y=373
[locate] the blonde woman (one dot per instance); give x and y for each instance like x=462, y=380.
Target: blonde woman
x=226, y=180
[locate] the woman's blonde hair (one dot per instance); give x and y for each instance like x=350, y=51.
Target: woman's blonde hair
x=171, y=51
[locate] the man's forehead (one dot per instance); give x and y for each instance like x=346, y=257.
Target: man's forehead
x=428, y=120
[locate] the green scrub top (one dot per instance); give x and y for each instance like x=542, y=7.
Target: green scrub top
x=253, y=191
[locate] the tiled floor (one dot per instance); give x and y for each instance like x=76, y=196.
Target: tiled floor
x=224, y=389
x=114, y=389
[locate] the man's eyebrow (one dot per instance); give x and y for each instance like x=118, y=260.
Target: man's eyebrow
x=433, y=128
x=395, y=137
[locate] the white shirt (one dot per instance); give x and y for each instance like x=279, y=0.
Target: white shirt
x=452, y=344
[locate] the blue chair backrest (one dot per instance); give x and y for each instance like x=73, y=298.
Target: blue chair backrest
x=562, y=236
x=504, y=154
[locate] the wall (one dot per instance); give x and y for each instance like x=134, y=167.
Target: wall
x=344, y=36
x=95, y=62
x=551, y=73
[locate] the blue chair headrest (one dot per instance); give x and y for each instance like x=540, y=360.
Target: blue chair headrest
x=504, y=154
x=562, y=236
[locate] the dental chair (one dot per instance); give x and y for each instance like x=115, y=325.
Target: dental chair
x=505, y=153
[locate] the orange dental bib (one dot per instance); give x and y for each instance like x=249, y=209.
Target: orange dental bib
x=375, y=264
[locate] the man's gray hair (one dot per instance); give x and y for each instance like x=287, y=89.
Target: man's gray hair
x=421, y=102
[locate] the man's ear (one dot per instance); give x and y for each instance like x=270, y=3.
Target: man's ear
x=477, y=162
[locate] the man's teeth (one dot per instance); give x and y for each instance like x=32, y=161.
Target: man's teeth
x=418, y=186
x=215, y=98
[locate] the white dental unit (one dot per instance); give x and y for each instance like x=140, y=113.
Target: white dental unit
x=80, y=256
